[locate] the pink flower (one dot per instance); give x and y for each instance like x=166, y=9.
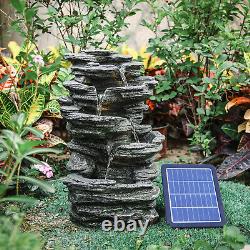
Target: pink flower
x=49, y=174
x=44, y=168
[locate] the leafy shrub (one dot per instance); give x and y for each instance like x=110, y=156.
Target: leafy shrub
x=203, y=55
x=90, y=23
x=80, y=24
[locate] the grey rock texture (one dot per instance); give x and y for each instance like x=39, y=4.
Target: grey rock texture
x=112, y=161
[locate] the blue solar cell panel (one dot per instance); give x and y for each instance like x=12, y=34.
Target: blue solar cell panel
x=192, y=196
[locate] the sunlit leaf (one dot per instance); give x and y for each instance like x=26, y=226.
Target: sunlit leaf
x=36, y=110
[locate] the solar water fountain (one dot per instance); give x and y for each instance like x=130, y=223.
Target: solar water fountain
x=111, y=168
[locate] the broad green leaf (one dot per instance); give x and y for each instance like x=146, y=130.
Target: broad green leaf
x=202, y=245
x=233, y=234
x=42, y=184
x=29, y=14
x=230, y=130
x=59, y=90
x=3, y=156
x=46, y=79
x=27, y=145
x=53, y=106
x=42, y=151
x=3, y=189
x=19, y=5
x=200, y=111
x=18, y=121
x=36, y=110
x=32, y=159
x=33, y=131
x=19, y=198
x=31, y=76
x=26, y=96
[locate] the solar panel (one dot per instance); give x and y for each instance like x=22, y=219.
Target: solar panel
x=192, y=196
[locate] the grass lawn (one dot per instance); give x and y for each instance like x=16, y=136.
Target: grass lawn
x=50, y=219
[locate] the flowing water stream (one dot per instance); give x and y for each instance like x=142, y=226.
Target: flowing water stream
x=111, y=154
x=110, y=159
x=134, y=131
x=100, y=99
x=122, y=74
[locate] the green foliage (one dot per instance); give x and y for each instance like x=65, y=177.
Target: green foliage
x=233, y=239
x=36, y=109
x=19, y=5
x=90, y=23
x=231, y=131
x=39, y=88
x=39, y=75
x=7, y=109
x=28, y=24
x=28, y=102
x=15, y=148
x=203, y=53
x=204, y=139
x=11, y=236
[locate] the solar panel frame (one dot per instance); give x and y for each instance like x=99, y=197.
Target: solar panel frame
x=168, y=208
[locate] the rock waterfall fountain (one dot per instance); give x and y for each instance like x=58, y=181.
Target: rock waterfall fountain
x=112, y=154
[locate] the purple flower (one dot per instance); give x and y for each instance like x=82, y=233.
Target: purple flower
x=44, y=168
x=38, y=60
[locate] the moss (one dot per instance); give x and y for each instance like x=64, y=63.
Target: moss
x=51, y=218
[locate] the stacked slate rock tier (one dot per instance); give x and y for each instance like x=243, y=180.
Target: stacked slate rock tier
x=112, y=161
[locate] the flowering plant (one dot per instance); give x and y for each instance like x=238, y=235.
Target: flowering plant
x=17, y=152
x=32, y=84
x=44, y=168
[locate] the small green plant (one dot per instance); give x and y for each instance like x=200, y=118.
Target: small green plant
x=11, y=236
x=15, y=148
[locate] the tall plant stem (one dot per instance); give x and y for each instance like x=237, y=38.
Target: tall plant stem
x=17, y=180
